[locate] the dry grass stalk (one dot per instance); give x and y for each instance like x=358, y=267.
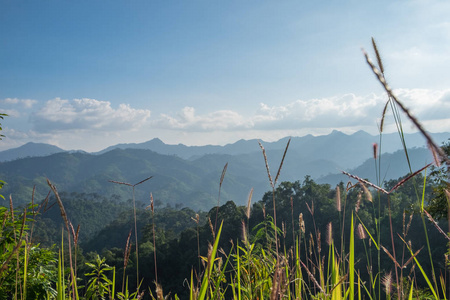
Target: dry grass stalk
x=435, y=155
x=377, y=53
x=222, y=176
x=366, y=192
x=267, y=164
x=135, y=223
x=411, y=258
x=313, y=279
x=16, y=248
x=436, y=225
x=391, y=257
x=282, y=160
x=383, y=115
x=66, y=221
x=365, y=182
x=401, y=182
x=413, y=119
x=212, y=228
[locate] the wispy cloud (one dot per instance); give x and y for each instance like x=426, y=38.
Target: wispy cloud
x=87, y=114
x=26, y=103
x=343, y=111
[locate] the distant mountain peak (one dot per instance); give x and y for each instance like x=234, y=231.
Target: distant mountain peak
x=29, y=149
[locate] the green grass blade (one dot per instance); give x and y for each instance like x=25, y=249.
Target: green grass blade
x=205, y=281
x=430, y=285
x=238, y=271
x=371, y=237
x=351, y=262
x=410, y=297
x=25, y=270
x=191, y=290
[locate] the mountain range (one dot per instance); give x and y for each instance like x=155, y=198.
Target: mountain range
x=189, y=175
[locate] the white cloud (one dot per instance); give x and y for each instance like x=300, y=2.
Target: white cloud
x=87, y=114
x=11, y=112
x=339, y=112
x=26, y=103
x=186, y=119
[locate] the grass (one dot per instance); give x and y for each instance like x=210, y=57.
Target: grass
x=260, y=265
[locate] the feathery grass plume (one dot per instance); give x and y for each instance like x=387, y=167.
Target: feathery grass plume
x=401, y=182
x=126, y=254
x=159, y=292
x=212, y=228
x=377, y=53
x=365, y=182
x=301, y=223
x=375, y=150
x=403, y=223
x=387, y=282
x=436, y=225
x=11, y=209
x=338, y=199
x=409, y=223
x=283, y=229
x=329, y=233
x=282, y=160
x=358, y=202
x=264, y=211
x=319, y=242
x=249, y=206
x=366, y=192
x=222, y=176
x=383, y=115
x=126, y=257
x=361, y=232
x=267, y=164
x=66, y=221
x=244, y=232
x=413, y=119
x=197, y=220
x=435, y=155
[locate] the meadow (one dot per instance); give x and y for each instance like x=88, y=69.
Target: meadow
x=303, y=240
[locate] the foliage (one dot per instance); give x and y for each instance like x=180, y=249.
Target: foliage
x=439, y=203
x=99, y=285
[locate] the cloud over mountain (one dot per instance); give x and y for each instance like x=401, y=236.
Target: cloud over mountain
x=87, y=114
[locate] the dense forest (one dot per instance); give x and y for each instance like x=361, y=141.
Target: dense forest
x=182, y=235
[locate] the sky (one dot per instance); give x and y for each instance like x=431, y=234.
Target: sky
x=90, y=74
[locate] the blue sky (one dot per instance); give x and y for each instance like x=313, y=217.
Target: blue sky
x=90, y=74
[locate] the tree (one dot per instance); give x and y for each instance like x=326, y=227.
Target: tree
x=439, y=204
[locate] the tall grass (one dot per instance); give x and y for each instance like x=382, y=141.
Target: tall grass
x=314, y=267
